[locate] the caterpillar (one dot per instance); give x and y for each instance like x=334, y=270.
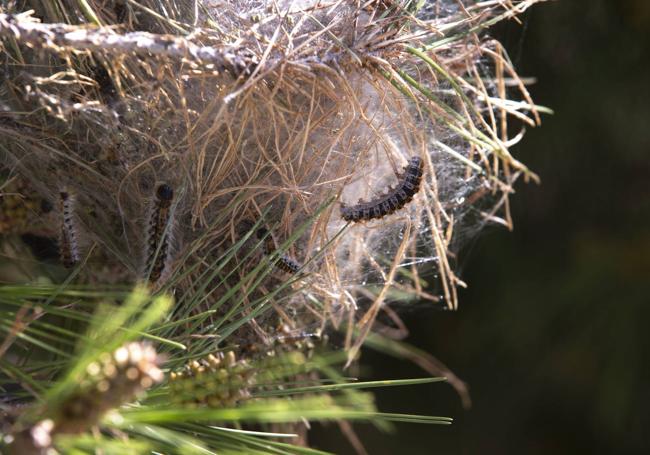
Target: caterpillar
x=158, y=244
x=68, y=244
x=394, y=199
x=284, y=262
x=121, y=11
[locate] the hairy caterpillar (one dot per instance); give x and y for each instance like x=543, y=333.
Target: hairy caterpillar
x=68, y=244
x=158, y=244
x=395, y=199
x=284, y=263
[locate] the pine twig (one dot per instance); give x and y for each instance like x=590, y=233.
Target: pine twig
x=58, y=37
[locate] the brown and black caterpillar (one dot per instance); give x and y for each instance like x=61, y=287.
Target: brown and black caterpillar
x=284, y=262
x=395, y=199
x=68, y=244
x=158, y=244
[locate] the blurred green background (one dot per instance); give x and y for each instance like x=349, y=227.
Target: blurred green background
x=551, y=335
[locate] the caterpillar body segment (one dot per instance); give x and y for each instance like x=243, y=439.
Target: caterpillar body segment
x=158, y=246
x=407, y=187
x=69, y=241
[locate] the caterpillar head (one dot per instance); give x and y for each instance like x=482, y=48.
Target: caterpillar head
x=164, y=192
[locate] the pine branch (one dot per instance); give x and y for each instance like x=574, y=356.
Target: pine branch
x=58, y=37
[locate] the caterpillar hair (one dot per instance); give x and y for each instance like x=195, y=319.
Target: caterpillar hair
x=394, y=199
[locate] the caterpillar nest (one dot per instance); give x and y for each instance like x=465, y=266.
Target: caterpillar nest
x=286, y=113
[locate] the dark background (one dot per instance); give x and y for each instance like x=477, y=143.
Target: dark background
x=551, y=335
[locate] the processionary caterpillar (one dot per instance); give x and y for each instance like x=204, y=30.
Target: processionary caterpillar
x=284, y=262
x=68, y=244
x=158, y=244
x=395, y=199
